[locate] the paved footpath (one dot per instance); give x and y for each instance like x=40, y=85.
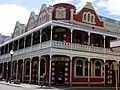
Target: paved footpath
x=6, y=86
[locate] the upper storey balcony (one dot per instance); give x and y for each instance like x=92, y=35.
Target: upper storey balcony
x=61, y=45
x=55, y=36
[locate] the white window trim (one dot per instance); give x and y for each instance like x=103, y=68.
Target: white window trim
x=85, y=13
x=91, y=15
x=83, y=61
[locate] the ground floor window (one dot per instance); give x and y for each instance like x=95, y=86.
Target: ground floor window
x=79, y=68
x=97, y=68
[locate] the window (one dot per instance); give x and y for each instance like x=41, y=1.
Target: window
x=44, y=36
x=15, y=45
x=2, y=50
x=79, y=68
x=6, y=48
x=84, y=16
x=21, y=43
x=97, y=68
x=10, y=46
x=92, y=18
x=36, y=37
x=89, y=19
x=28, y=41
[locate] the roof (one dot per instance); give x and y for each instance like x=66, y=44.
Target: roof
x=109, y=19
x=4, y=37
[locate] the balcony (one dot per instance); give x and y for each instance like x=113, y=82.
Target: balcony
x=61, y=45
x=79, y=47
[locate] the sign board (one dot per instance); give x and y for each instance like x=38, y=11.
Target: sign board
x=115, y=66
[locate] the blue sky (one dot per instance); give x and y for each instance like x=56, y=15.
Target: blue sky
x=19, y=10
x=26, y=3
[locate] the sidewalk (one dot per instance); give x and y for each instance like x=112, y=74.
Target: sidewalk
x=31, y=86
x=26, y=85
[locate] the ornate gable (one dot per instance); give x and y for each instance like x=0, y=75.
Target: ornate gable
x=32, y=21
x=19, y=29
x=43, y=15
x=88, y=15
x=60, y=13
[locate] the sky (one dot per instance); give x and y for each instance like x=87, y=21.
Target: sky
x=12, y=11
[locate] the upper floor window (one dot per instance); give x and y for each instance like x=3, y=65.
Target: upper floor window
x=10, y=46
x=60, y=13
x=88, y=17
x=85, y=16
x=43, y=17
x=15, y=45
x=21, y=43
x=2, y=50
x=6, y=48
x=92, y=18
x=28, y=41
x=36, y=37
x=44, y=37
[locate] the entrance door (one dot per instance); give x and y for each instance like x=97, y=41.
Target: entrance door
x=59, y=72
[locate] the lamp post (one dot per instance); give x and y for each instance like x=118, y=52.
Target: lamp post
x=11, y=53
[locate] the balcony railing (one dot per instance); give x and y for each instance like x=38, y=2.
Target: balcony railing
x=79, y=47
x=61, y=45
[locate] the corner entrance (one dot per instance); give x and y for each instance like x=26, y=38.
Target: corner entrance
x=60, y=72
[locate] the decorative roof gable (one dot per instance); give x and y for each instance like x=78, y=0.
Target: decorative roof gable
x=88, y=15
x=32, y=21
x=19, y=29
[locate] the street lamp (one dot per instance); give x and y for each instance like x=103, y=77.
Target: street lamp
x=11, y=53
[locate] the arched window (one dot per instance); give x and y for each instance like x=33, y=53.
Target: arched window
x=89, y=17
x=79, y=68
x=36, y=37
x=44, y=36
x=85, y=17
x=97, y=68
x=86, y=68
x=93, y=18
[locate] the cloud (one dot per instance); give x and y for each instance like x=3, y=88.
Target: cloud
x=61, y=1
x=9, y=15
x=112, y=6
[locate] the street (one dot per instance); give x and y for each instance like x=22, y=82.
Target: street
x=7, y=87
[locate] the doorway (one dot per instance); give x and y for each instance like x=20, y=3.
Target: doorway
x=59, y=72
